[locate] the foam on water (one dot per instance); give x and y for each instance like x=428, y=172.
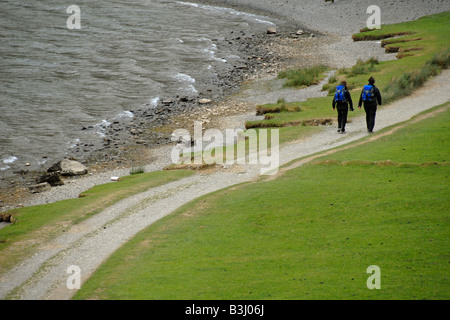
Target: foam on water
x=221, y=10
x=10, y=159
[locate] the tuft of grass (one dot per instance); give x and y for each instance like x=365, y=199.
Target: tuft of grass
x=398, y=40
x=137, y=170
x=376, y=34
x=280, y=106
x=361, y=67
x=404, y=85
x=303, y=77
x=441, y=59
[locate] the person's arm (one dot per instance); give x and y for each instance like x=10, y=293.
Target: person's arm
x=334, y=103
x=349, y=99
x=360, y=99
x=378, y=95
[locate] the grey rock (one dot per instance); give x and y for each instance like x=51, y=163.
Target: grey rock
x=53, y=178
x=41, y=187
x=68, y=167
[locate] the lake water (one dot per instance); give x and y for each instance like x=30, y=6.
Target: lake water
x=55, y=80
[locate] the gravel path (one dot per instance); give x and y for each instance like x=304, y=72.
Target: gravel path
x=88, y=244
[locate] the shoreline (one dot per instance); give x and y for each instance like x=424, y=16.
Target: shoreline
x=137, y=142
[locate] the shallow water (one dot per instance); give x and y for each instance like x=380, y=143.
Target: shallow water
x=127, y=54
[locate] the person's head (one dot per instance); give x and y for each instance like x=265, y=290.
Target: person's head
x=371, y=80
x=344, y=83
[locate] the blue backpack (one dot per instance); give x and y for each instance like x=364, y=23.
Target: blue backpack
x=339, y=96
x=367, y=94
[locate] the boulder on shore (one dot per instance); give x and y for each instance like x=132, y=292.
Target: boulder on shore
x=68, y=167
x=52, y=178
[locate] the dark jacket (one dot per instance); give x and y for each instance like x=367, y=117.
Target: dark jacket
x=342, y=105
x=377, y=96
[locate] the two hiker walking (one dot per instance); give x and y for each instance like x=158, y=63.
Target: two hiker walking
x=370, y=97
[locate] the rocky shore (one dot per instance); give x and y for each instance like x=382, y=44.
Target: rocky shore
x=126, y=142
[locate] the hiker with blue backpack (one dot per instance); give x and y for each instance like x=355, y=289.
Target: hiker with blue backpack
x=371, y=97
x=342, y=99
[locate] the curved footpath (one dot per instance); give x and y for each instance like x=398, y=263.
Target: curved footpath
x=89, y=243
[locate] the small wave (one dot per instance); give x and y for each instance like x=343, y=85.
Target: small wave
x=211, y=50
x=234, y=12
x=99, y=128
x=124, y=114
x=74, y=143
x=265, y=21
x=9, y=160
x=154, y=102
x=196, y=5
x=192, y=89
x=184, y=77
x=5, y=168
x=42, y=162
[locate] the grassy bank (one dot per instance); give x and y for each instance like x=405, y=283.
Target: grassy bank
x=424, y=52
x=36, y=225
x=310, y=234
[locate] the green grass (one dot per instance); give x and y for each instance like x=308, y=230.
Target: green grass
x=430, y=145
x=361, y=67
x=309, y=234
x=404, y=85
x=396, y=78
x=430, y=34
x=280, y=106
x=39, y=224
x=303, y=76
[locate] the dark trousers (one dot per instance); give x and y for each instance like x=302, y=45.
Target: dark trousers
x=371, y=111
x=342, y=111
